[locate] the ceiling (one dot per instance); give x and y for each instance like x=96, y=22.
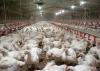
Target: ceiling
x=92, y=7
x=94, y=4
x=28, y=8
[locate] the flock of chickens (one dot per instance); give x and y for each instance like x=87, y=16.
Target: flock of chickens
x=44, y=47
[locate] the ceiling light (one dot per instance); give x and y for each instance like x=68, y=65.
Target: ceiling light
x=73, y=7
x=39, y=7
x=59, y=12
x=62, y=11
x=82, y=2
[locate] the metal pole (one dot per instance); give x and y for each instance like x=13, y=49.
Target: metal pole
x=4, y=11
x=20, y=9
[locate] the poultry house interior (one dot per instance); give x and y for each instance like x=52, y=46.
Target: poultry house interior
x=50, y=35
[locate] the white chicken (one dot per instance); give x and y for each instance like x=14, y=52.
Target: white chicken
x=81, y=68
x=10, y=64
x=48, y=40
x=33, y=56
x=51, y=66
x=47, y=47
x=93, y=50
x=79, y=45
x=1, y=55
x=70, y=56
x=89, y=59
x=57, y=43
x=18, y=55
x=56, y=52
x=98, y=53
x=67, y=44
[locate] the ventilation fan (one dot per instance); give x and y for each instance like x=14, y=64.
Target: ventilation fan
x=39, y=2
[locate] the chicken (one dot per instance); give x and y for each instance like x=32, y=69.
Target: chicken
x=51, y=66
x=47, y=47
x=18, y=55
x=57, y=43
x=33, y=56
x=69, y=57
x=67, y=44
x=56, y=52
x=81, y=68
x=79, y=45
x=98, y=53
x=90, y=60
x=10, y=64
x=48, y=40
x=93, y=50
